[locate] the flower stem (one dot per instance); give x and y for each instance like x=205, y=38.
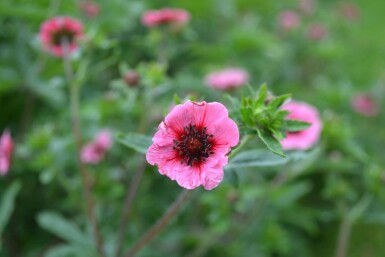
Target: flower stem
x=160, y=224
x=343, y=238
x=244, y=141
x=76, y=130
x=133, y=187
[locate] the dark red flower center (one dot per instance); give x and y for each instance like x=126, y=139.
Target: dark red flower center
x=63, y=35
x=194, y=145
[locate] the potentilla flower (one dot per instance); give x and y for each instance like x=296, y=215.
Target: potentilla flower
x=60, y=31
x=304, y=139
x=192, y=144
x=365, y=104
x=306, y=6
x=227, y=79
x=94, y=152
x=90, y=8
x=317, y=31
x=165, y=16
x=288, y=20
x=6, y=148
x=350, y=11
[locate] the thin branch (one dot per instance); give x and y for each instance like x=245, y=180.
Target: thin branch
x=131, y=192
x=76, y=130
x=160, y=224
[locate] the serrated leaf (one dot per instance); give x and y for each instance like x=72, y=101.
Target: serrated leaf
x=278, y=101
x=262, y=94
x=270, y=142
x=256, y=158
x=7, y=204
x=135, y=141
x=296, y=125
x=63, y=228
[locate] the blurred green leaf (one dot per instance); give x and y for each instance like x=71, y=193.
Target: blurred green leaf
x=63, y=228
x=256, y=158
x=7, y=205
x=137, y=142
x=296, y=125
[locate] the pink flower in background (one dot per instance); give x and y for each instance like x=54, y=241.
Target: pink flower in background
x=192, y=143
x=90, y=8
x=6, y=148
x=317, y=31
x=288, y=20
x=350, y=11
x=59, y=30
x=94, y=152
x=227, y=79
x=165, y=16
x=304, y=139
x=365, y=104
x=306, y=6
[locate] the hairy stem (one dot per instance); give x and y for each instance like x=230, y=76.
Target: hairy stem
x=132, y=189
x=160, y=224
x=76, y=130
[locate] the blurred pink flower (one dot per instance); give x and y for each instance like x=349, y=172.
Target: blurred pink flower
x=6, y=148
x=288, y=20
x=350, y=11
x=304, y=139
x=364, y=104
x=227, y=79
x=192, y=143
x=317, y=31
x=58, y=30
x=306, y=6
x=89, y=8
x=94, y=152
x=165, y=16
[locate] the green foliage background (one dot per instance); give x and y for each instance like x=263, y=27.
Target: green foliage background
x=265, y=206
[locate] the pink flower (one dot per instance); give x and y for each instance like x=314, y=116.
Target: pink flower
x=165, y=16
x=306, y=6
x=6, y=147
x=317, y=31
x=227, y=79
x=90, y=8
x=288, y=20
x=364, y=104
x=350, y=11
x=192, y=144
x=304, y=139
x=58, y=31
x=94, y=152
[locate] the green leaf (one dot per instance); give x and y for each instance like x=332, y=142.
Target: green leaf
x=67, y=250
x=7, y=204
x=63, y=228
x=137, y=142
x=233, y=178
x=270, y=142
x=262, y=94
x=61, y=251
x=278, y=101
x=296, y=125
x=256, y=158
